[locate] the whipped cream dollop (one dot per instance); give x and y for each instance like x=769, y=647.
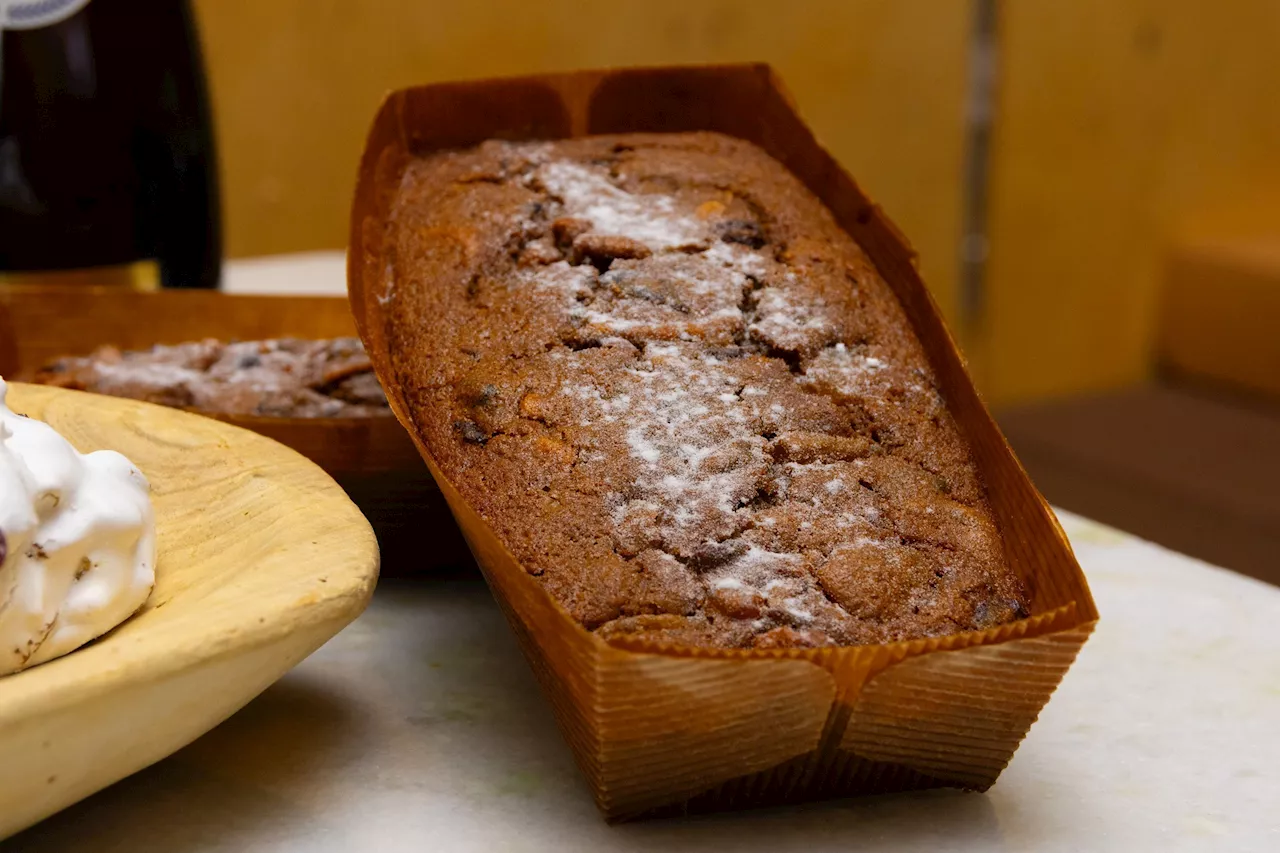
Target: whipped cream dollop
x=77, y=542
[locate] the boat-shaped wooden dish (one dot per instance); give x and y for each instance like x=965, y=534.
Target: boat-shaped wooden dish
x=661, y=728
x=262, y=558
x=372, y=458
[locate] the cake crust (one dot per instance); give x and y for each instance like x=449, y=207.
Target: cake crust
x=683, y=397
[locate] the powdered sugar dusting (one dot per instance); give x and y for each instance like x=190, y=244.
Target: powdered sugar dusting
x=678, y=297
x=775, y=585
x=642, y=447
x=588, y=194
x=699, y=459
x=785, y=322
x=736, y=257
x=693, y=427
x=388, y=294
x=148, y=373
x=571, y=282
x=846, y=370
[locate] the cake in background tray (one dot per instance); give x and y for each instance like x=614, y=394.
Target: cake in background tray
x=286, y=377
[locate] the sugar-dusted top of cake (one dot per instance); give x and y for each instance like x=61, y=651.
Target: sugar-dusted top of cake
x=684, y=398
x=287, y=377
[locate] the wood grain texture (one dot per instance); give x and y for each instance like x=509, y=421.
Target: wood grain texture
x=261, y=558
x=1121, y=125
x=647, y=720
x=882, y=82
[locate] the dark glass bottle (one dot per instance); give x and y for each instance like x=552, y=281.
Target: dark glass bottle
x=106, y=148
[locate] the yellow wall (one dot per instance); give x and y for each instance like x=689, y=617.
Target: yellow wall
x=1121, y=124
x=295, y=83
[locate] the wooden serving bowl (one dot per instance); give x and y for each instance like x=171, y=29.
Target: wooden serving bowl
x=372, y=458
x=261, y=559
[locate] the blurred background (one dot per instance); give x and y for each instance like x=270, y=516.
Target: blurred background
x=1093, y=188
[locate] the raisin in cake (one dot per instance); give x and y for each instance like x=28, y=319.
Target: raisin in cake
x=278, y=378
x=683, y=397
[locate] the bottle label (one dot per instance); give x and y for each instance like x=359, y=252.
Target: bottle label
x=34, y=14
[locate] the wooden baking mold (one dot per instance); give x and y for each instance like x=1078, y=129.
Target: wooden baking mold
x=657, y=729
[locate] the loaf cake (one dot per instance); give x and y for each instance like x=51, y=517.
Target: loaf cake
x=683, y=397
x=288, y=378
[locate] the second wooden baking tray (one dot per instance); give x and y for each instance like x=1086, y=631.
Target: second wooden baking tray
x=372, y=458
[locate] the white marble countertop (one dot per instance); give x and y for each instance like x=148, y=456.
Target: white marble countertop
x=421, y=728
x=303, y=274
